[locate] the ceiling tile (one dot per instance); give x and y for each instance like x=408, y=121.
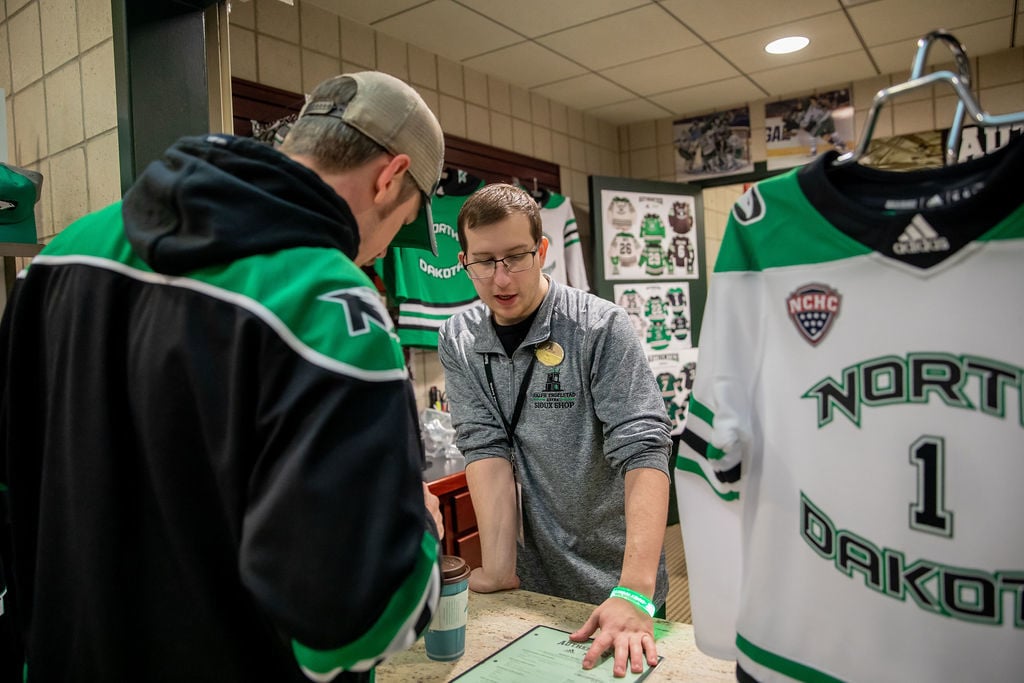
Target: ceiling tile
x=626, y=37
x=527, y=64
x=705, y=18
x=830, y=34
x=362, y=11
x=533, y=18
x=476, y=34
x=898, y=57
x=887, y=21
x=796, y=78
x=584, y=92
x=717, y=95
x=671, y=71
x=627, y=112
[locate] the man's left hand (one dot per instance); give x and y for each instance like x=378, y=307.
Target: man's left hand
x=625, y=628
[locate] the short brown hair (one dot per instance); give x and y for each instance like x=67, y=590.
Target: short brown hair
x=495, y=202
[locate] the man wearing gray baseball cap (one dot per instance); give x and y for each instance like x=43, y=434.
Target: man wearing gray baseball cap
x=209, y=441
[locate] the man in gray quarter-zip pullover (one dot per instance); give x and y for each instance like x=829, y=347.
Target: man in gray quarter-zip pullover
x=551, y=394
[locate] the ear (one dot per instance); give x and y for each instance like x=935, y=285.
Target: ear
x=389, y=179
x=542, y=250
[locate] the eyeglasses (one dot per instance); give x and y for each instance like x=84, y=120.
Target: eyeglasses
x=514, y=263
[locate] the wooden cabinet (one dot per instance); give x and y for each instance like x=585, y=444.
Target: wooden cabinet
x=460, y=533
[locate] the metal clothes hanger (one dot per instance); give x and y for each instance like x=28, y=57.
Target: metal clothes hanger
x=960, y=82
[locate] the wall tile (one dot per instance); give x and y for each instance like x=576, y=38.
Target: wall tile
x=317, y=67
x=913, y=117
x=98, y=79
x=9, y=107
x=1001, y=68
x=758, y=144
x=576, y=129
x=319, y=30
x=663, y=133
x=279, y=63
x=540, y=110
x=498, y=97
x=565, y=180
x=94, y=23
x=501, y=130
x=422, y=67
x=578, y=184
x=26, y=47
x=522, y=137
x=591, y=129
x=68, y=187
x=542, y=148
x=59, y=25
x=560, y=149
x=577, y=154
x=357, y=44
x=243, y=53
x=642, y=135
x=1004, y=99
x=449, y=78
x=476, y=87
x=29, y=142
x=275, y=18
x=644, y=163
x=478, y=123
x=667, y=161
x=864, y=91
x=521, y=108
x=624, y=166
x=453, y=115
x=392, y=57
x=242, y=13
x=44, y=207
x=609, y=162
x=559, y=117
x=5, y=60
x=883, y=127
x=592, y=157
x=101, y=155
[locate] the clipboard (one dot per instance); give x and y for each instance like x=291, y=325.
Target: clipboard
x=545, y=654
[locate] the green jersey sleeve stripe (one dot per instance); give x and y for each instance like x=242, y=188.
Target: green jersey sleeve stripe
x=700, y=410
x=685, y=464
x=393, y=632
x=795, y=670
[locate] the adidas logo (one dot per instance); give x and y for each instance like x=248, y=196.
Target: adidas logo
x=919, y=238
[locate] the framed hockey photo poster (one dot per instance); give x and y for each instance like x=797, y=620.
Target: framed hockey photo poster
x=712, y=146
x=799, y=129
x=649, y=233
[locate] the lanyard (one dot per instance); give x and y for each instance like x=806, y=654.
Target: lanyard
x=510, y=427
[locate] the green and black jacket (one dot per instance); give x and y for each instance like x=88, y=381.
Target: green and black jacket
x=208, y=437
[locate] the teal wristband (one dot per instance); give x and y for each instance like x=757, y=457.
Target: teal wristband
x=638, y=599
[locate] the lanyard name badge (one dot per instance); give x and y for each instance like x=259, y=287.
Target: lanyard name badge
x=510, y=431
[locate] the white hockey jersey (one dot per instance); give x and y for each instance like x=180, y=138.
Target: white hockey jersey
x=564, y=262
x=849, y=479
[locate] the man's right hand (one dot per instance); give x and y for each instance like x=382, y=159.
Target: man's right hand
x=481, y=582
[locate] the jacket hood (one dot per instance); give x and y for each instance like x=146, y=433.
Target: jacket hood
x=213, y=199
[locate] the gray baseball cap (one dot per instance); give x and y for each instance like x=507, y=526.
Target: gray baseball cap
x=392, y=114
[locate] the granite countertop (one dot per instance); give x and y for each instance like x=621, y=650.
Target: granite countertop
x=497, y=619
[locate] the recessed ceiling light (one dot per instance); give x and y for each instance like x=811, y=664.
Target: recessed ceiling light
x=786, y=45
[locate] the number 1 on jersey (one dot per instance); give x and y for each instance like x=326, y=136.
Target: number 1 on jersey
x=929, y=512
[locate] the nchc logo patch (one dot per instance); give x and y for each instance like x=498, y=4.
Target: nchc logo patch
x=813, y=308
